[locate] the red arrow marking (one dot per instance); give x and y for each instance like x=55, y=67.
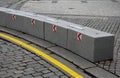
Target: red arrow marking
x=54, y=28
x=79, y=36
x=32, y=21
x=13, y=17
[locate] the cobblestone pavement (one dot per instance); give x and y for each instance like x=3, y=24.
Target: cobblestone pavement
x=16, y=62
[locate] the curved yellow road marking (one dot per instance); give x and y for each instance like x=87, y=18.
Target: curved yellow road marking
x=44, y=55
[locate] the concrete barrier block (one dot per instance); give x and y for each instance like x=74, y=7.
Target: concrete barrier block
x=56, y=34
x=34, y=26
x=3, y=16
x=16, y=22
x=91, y=44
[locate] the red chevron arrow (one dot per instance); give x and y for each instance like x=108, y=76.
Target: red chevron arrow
x=79, y=36
x=13, y=17
x=33, y=21
x=54, y=28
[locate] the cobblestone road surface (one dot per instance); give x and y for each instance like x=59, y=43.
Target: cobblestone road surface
x=16, y=62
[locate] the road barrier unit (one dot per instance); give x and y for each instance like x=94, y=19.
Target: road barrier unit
x=3, y=16
x=55, y=32
x=89, y=43
x=34, y=27
x=15, y=21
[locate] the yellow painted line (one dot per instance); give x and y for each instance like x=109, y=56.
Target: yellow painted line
x=44, y=55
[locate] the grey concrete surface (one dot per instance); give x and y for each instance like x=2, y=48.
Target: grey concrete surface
x=2, y=21
x=99, y=73
x=91, y=45
x=77, y=7
x=56, y=35
x=82, y=63
x=34, y=25
x=16, y=4
x=33, y=39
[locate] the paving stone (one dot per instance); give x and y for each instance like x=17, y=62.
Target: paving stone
x=27, y=60
x=42, y=62
x=28, y=72
x=48, y=65
x=35, y=65
x=21, y=68
x=27, y=76
x=7, y=75
x=32, y=63
x=36, y=58
x=3, y=72
x=22, y=64
x=100, y=73
x=48, y=74
x=64, y=77
x=18, y=72
x=46, y=71
x=16, y=63
x=54, y=76
x=58, y=73
x=38, y=77
x=37, y=74
x=28, y=69
x=41, y=69
x=53, y=69
x=17, y=75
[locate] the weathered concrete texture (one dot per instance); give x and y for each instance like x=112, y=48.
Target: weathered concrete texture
x=34, y=27
x=15, y=22
x=90, y=44
x=33, y=39
x=76, y=7
x=57, y=35
x=100, y=73
x=7, y=3
x=82, y=63
x=2, y=21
